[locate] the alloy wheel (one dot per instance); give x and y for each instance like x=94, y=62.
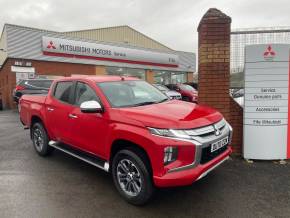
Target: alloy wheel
x=129, y=177
x=38, y=139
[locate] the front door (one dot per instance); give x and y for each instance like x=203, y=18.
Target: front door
x=88, y=130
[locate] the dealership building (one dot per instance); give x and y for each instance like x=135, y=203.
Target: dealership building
x=29, y=53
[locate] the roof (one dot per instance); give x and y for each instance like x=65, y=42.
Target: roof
x=23, y=42
x=117, y=34
x=121, y=34
x=100, y=78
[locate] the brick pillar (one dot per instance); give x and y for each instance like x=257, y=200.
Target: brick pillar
x=214, y=69
x=100, y=70
x=214, y=61
x=189, y=76
x=149, y=76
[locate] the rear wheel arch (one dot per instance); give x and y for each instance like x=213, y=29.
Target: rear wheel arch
x=36, y=119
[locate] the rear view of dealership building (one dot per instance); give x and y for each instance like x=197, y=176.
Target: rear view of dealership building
x=28, y=53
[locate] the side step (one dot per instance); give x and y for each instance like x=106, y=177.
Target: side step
x=84, y=156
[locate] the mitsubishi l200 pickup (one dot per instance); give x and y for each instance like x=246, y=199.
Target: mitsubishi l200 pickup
x=130, y=129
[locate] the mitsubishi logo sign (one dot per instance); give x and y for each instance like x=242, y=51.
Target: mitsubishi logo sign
x=269, y=54
x=76, y=49
x=51, y=45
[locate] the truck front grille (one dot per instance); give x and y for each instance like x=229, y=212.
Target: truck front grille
x=207, y=132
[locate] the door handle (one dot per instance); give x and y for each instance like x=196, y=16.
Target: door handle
x=50, y=109
x=72, y=116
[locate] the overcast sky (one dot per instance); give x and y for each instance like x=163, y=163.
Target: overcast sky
x=171, y=22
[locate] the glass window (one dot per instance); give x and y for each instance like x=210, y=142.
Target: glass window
x=178, y=77
x=168, y=77
x=36, y=84
x=162, y=77
x=123, y=71
x=84, y=93
x=131, y=93
x=63, y=91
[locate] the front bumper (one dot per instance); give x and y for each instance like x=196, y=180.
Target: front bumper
x=188, y=176
x=204, y=160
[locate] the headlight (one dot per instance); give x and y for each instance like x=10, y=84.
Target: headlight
x=169, y=133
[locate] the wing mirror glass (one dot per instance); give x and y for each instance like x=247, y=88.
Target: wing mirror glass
x=91, y=107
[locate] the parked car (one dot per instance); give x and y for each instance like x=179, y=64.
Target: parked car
x=145, y=141
x=238, y=96
x=170, y=93
x=238, y=93
x=193, y=85
x=31, y=86
x=187, y=92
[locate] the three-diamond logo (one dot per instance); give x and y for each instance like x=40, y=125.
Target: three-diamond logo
x=217, y=132
x=51, y=45
x=269, y=54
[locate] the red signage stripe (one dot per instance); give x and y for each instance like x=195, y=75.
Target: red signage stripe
x=288, y=135
x=107, y=59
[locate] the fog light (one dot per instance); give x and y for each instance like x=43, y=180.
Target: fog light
x=170, y=155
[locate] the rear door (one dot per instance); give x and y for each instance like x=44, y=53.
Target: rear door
x=58, y=108
x=89, y=131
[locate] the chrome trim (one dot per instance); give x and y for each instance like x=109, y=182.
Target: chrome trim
x=212, y=168
x=206, y=129
x=105, y=167
x=72, y=116
x=50, y=109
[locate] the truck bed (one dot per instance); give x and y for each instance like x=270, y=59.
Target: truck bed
x=31, y=105
x=38, y=98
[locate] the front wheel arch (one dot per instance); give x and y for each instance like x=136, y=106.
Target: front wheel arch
x=121, y=144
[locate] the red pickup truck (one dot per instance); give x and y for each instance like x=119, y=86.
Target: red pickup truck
x=129, y=128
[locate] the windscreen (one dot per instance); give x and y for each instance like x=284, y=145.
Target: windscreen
x=131, y=93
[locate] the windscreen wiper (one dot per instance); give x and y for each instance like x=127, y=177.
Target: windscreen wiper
x=150, y=102
x=145, y=103
x=163, y=100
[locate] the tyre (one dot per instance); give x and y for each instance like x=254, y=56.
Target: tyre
x=40, y=140
x=132, y=178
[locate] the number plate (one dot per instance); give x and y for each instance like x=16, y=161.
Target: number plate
x=219, y=144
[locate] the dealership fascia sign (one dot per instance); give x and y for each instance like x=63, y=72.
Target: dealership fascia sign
x=60, y=47
x=267, y=102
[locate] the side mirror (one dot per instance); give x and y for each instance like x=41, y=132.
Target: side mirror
x=91, y=107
